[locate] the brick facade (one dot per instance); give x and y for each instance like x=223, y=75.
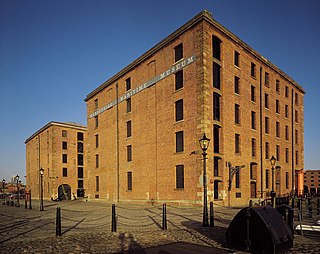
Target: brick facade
x=156, y=170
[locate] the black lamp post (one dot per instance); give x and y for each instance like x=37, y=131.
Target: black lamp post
x=18, y=191
x=41, y=171
x=204, y=144
x=4, y=196
x=273, y=193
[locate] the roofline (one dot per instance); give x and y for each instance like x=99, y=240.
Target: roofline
x=204, y=15
x=53, y=123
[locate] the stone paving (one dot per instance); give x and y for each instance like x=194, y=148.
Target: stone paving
x=86, y=228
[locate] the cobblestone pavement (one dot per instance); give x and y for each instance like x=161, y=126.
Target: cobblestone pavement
x=86, y=228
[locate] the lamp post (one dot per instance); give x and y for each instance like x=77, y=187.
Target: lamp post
x=18, y=192
x=273, y=193
x=204, y=144
x=4, y=196
x=41, y=171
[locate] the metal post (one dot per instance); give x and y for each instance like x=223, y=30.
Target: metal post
x=41, y=192
x=211, y=215
x=273, y=194
x=164, y=216
x=30, y=207
x=58, y=222
x=292, y=202
x=25, y=201
x=114, y=222
x=318, y=206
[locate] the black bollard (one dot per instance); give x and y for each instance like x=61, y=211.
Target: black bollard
x=211, y=215
x=164, y=216
x=292, y=203
x=114, y=222
x=30, y=207
x=58, y=222
x=250, y=203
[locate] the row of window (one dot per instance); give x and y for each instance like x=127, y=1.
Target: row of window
x=79, y=172
x=79, y=146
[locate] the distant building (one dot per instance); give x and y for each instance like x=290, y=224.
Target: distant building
x=312, y=181
x=57, y=148
x=144, y=123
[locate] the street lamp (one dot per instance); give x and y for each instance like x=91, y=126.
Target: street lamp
x=3, y=185
x=273, y=193
x=18, y=192
x=41, y=171
x=204, y=144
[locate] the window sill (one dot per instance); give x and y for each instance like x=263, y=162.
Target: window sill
x=179, y=189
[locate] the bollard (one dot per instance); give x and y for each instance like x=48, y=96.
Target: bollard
x=58, y=222
x=164, y=217
x=211, y=215
x=114, y=222
x=250, y=203
x=292, y=203
x=25, y=202
x=30, y=207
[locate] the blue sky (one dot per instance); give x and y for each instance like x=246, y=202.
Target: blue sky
x=53, y=53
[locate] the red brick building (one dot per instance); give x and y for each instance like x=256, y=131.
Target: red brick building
x=312, y=181
x=144, y=123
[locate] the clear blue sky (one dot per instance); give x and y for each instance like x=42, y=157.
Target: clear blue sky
x=53, y=53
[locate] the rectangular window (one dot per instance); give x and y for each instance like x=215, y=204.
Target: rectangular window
x=64, y=145
x=277, y=106
x=286, y=111
x=253, y=70
x=97, y=183
x=179, y=176
x=216, y=75
x=129, y=153
x=216, y=107
x=266, y=79
x=266, y=125
x=278, y=86
x=296, y=137
x=216, y=51
x=179, y=80
x=296, y=99
x=287, y=92
x=80, y=147
x=253, y=93
x=179, y=110
x=267, y=178
x=96, y=121
x=237, y=143
x=129, y=181
x=266, y=100
x=179, y=142
x=80, y=159
x=287, y=155
x=253, y=147
x=64, y=158
x=128, y=84
x=287, y=180
x=253, y=120
x=277, y=129
x=64, y=172
x=80, y=172
x=128, y=101
x=96, y=104
x=267, y=150
x=236, y=85
x=80, y=184
x=64, y=133
x=287, y=132
x=236, y=58
x=178, y=52
x=278, y=153
x=216, y=166
x=296, y=116
x=80, y=136
x=97, y=140
x=237, y=114
x=238, y=179
x=97, y=160
x=129, y=129
x=216, y=139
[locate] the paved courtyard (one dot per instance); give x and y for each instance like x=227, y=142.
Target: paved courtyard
x=86, y=228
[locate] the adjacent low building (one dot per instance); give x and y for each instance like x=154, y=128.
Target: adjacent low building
x=58, y=149
x=312, y=181
x=144, y=123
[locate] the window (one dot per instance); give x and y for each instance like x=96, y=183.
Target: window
x=286, y=111
x=129, y=181
x=129, y=153
x=267, y=150
x=80, y=159
x=287, y=180
x=128, y=84
x=96, y=104
x=80, y=172
x=236, y=85
x=253, y=70
x=80, y=147
x=216, y=47
x=64, y=172
x=216, y=75
x=97, y=140
x=216, y=138
x=296, y=99
x=179, y=110
x=287, y=132
x=216, y=107
x=278, y=86
x=96, y=120
x=253, y=147
x=277, y=129
x=64, y=145
x=266, y=79
x=287, y=155
x=266, y=100
x=179, y=142
x=128, y=101
x=97, y=183
x=64, y=133
x=97, y=160
x=80, y=184
x=237, y=143
x=238, y=179
x=253, y=120
x=64, y=158
x=278, y=153
x=267, y=178
x=296, y=137
x=287, y=92
x=266, y=125
x=178, y=52
x=237, y=114
x=129, y=129
x=236, y=58
x=216, y=166
x=179, y=80
x=179, y=176
x=80, y=136
x=296, y=116
x=253, y=93
x=277, y=106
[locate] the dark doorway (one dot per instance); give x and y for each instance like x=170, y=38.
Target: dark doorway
x=80, y=193
x=64, y=192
